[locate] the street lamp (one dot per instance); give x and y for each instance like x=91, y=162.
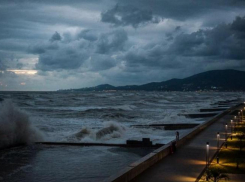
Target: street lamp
x=218, y=136
x=241, y=115
x=207, y=154
x=231, y=125
x=238, y=116
x=226, y=126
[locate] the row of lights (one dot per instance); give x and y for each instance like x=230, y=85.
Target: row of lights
x=226, y=134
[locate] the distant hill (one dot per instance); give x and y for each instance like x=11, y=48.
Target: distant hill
x=218, y=80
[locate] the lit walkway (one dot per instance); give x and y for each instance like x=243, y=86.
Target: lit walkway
x=189, y=160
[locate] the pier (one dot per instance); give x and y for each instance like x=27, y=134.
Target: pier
x=188, y=163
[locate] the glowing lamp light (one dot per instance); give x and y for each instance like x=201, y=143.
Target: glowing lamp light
x=218, y=136
x=207, y=154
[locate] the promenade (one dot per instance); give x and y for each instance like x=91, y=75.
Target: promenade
x=189, y=160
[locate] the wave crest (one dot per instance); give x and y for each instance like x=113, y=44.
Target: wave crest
x=110, y=130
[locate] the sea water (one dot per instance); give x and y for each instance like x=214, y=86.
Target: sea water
x=26, y=117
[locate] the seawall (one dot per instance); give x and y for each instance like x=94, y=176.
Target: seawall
x=136, y=168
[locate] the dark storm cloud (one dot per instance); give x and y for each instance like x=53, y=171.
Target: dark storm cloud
x=55, y=37
x=181, y=10
x=113, y=41
x=88, y=35
x=41, y=48
x=123, y=15
x=83, y=49
x=219, y=45
x=225, y=41
x=100, y=62
x=89, y=47
x=66, y=56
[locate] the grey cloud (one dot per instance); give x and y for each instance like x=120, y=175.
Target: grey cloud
x=100, y=62
x=41, y=48
x=124, y=15
x=66, y=57
x=80, y=51
x=225, y=41
x=181, y=10
x=2, y=65
x=88, y=35
x=177, y=28
x=223, y=46
x=113, y=41
x=151, y=57
x=36, y=49
x=55, y=37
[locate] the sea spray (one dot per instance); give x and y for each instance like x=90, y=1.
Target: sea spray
x=15, y=126
x=110, y=130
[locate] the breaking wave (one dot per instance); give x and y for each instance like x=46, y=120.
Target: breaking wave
x=109, y=130
x=15, y=126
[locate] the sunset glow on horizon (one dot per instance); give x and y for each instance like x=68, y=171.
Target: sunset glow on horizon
x=24, y=72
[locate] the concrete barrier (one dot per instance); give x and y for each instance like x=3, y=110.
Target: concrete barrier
x=144, y=163
x=138, y=144
x=212, y=109
x=141, y=165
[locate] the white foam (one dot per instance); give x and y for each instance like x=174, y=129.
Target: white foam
x=15, y=127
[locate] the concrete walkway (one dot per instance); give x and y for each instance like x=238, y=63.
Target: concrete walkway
x=189, y=160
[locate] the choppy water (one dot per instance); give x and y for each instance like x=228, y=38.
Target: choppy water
x=90, y=117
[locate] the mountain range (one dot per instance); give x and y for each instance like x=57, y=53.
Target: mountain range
x=215, y=80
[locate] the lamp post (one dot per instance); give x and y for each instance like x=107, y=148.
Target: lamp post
x=241, y=115
x=238, y=116
x=234, y=123
x=218, y=136
x=207, y=154
x=231, y=126
x=226, y=126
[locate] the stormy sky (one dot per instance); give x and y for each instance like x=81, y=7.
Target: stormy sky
x=60, y=44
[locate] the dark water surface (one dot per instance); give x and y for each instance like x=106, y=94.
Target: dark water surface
x=64, y=163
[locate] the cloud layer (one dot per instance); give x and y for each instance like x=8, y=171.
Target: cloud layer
x=85, y=43
x=123, y=15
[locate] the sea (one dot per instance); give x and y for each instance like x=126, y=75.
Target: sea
x=94, y=117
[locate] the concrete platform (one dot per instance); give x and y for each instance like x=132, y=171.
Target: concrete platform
x=177, y=126
x=212, y=109
x=200, y=115
x=140, y=144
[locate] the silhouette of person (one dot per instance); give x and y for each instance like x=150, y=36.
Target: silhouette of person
x=177, y=135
